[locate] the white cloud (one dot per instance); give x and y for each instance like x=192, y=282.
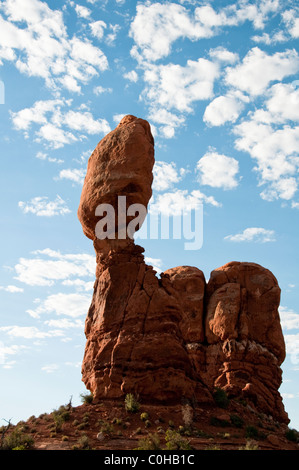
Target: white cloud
x=157, y=26
x=217, y=170
x=29, y=332
x=82, y=11
x=167, y=121
x=12, y=289
x=291, y=19
x=274, y=150
x=156, y=263
x=165, y=175
x=258, y=69
x=97, y=28
x=65, y=323
x=42, y=207
x=6, y=351
x=41, y=271
x=179, y=202
x=50, y=368
x=223, y=55
x=253, y=234
x=132, y=76
x=71, y=305
x=43, y=156
x=289, y=318
x=283, y=104
x=99, y=90
x=292, y=347
x=79, y=284
x=55, y=120
x=35, y=38
x=173, y=86
x=76, y=175
x=224, y=109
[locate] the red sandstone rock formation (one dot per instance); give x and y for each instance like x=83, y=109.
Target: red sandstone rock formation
x=171, y=337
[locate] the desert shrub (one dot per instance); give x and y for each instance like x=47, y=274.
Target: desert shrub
x=292, y=435
x=17, y=439
x=144, y=416
x=84, y=443
x=222, y=423
x=151, y=442
x=131, y=403
x=221, y=398
x=60, y=416
x=237, y=421
x=174, y=441
x=86, y=398
x=251, y=432
x=107, y=429
x=117, y=421
x=250, y=445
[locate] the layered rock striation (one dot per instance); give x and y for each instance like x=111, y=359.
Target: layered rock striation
x=175, y=336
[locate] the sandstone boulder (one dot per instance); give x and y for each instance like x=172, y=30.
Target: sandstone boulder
x=171, y=337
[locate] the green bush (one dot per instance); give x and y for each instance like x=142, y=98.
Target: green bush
x=17, y=439
x=151, y=442
x=237, y=421
x=131, y=403
x=174, y=441
x=221, y=398
x=86, y=398
x=292, y=435
x=251, y=432
x=144, y=416
x=250, y=445
x=222, y=423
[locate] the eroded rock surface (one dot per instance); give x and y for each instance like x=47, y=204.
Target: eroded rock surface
x=174, y=337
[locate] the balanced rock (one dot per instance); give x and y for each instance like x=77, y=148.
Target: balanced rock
x=175, y=336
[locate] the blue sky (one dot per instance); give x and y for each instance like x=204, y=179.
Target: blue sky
x=219, y=84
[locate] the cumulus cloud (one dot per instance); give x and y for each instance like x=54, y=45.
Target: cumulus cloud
x=253, y=234
x=35, y=39
x=218, y=171
x=82, y=11
x=275, y=151
x=258, y=70
x=51, y=266
x=132, y=76
x=55, y=124
x=166, y=175
x=179, y=202
x=71, y=305
x=42, y=207
x=173, y=86
x=157, y=26
x=289, y=318
x=224, y=109
x=98, y=28
x=291, y=19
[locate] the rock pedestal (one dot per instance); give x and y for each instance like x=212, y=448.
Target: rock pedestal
x=174, y=337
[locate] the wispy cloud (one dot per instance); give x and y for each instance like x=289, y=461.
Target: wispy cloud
x=42, y=207
x=253, y=234
x=42, y=271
